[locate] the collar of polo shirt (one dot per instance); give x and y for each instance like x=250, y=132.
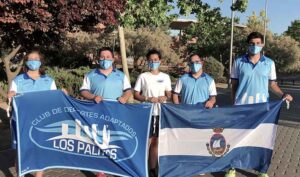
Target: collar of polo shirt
x=202, y=75
x=26, y=76
x=246, y=58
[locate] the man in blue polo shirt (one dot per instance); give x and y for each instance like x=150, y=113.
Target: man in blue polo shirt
x=251, y=76
x=106, y=82
x=195, y=87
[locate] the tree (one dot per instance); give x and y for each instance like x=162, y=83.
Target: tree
x=240, y=5
x=149, y=13
x=26, y=23
x=294, y=30
x=146, y=13
x=211, y=32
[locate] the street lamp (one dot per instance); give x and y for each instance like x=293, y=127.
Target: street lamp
x=231, y=42
x=265, y=21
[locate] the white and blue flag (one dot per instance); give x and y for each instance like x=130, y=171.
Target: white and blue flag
x=195, y=140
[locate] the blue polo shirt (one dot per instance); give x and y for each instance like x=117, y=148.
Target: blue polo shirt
x=23, y=83
x=253, y=79
x=195, y=90
x=111, y=86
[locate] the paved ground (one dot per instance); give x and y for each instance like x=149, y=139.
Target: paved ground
x=285, y=160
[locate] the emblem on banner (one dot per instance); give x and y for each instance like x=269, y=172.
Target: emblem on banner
x=73, y=137
x=217, y=145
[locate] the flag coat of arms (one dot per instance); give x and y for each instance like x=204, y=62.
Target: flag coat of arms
x=194, y=140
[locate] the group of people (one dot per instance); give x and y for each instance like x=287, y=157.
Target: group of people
x=251, y=77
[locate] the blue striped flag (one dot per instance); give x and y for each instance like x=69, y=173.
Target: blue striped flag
x=194, y=140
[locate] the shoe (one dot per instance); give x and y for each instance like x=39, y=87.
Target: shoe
x=263, y=175
x=230, y=173
x=101, y=174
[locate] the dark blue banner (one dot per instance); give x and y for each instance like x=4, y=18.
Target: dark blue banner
x=58, y=131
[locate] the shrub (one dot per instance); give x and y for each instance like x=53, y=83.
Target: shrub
x=214, y=68
x=69, y=79
x=285, y=51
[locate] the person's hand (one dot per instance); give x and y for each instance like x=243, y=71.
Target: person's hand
x=11, y=94
x=65, y=91
x=98, y=99
x=162, y=99
x=288, y=97
x=209, y=104
x=122, y=100
x=153, y=100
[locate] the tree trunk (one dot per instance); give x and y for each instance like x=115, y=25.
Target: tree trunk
x=123, y=55
x=123, y=51
x=11, y=75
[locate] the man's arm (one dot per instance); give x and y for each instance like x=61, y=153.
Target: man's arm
x=89, y=96
x=85, y=91
x=139, y=97
x=176, y=92
x=211, y=102
x=277, y=91
x=167, y=96
x=234, y=86
x=123, y=99
x=175, y=98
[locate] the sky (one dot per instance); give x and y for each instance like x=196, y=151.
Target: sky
x=280, y=12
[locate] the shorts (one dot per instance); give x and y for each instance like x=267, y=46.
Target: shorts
x=154, y=129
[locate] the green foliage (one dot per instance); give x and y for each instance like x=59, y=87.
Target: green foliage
x=187, y=7
x=139, y=41
x=154, y=13
x=294, y=30
x=240, y=5
x=211, y=32
x=69, y=79
x=213, y=36
x=214, y=68
x=78, y=49
x=146, y=13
